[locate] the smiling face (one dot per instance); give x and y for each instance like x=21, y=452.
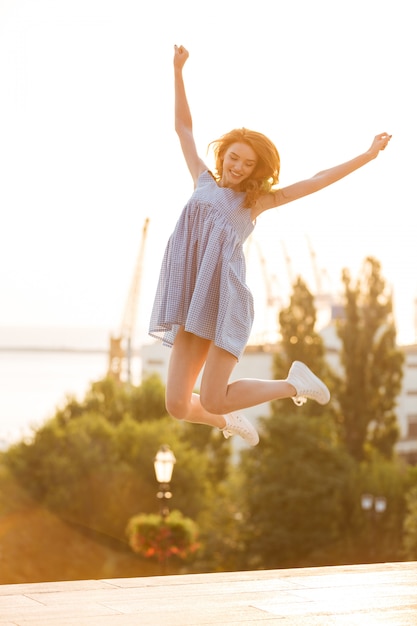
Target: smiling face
x=238, y=164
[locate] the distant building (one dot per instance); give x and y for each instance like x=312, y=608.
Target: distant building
x=407, y=407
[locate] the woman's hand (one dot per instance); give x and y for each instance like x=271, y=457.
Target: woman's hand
x=180, y=57
x=379, y=143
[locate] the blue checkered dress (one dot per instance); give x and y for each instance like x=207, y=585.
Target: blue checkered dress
x=202, y=280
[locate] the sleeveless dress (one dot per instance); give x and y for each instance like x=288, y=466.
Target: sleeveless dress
x=202, y=279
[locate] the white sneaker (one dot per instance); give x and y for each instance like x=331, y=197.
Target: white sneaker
x=307, y=385
x=236, y=424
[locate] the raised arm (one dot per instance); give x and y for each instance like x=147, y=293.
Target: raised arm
x=322, y=179
x=183, y=120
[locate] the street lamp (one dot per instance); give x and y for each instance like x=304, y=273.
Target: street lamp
x=370, y=502
x=164, y=466
x=374, y=507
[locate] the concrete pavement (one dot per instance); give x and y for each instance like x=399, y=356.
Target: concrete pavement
x=359, y=595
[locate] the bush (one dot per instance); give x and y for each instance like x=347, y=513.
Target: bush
x=154, y=536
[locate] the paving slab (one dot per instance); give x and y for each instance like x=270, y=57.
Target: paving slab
x=356, y=595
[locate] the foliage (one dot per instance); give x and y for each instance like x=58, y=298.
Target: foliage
x=372, y=365
x=92, y=464
x=410, y=525
x=154, y=536
x=148, y=401
x=212, y=446
x=297, y=323
x=297, y=484
x=303, y=485
x=36, y=545
x=379, y=535
x=293, y=500
x=114, y=401
x=95, y=473
x=223, y=526
x=300, y=342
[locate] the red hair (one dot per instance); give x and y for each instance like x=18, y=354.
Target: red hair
x=266, y=172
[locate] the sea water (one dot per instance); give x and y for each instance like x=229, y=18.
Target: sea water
x=40, y=368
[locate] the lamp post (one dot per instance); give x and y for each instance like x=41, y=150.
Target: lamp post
x=374, y=507
x=369, y=502
x=164, y=466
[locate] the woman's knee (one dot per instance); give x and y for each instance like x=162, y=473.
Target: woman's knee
x=215, y=381
x=177, y=408
x=212, y=402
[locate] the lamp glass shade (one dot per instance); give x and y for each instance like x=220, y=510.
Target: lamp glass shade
x=380, y=504
x=367, y=501
x=164, y=464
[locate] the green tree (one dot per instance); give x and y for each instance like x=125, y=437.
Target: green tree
x=297, y=482
x=374, y=535
x=410, y=518
x=296, y=479
x=372, y=364
x=410, y=525
x=303, y=487
x=114, y=401
x=98, y=474
x=300, y=342
x=223, y=525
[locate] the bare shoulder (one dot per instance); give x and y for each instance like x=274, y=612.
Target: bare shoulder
x=270, y=200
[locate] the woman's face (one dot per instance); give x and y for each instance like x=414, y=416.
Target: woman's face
x=238, y=164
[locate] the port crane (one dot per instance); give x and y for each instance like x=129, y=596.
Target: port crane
x=121, y=346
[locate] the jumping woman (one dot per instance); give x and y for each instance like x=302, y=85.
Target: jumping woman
x=203, y=308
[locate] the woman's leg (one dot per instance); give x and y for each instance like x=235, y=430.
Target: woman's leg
x=220, y=396
x=220, y=399
x=188, y=356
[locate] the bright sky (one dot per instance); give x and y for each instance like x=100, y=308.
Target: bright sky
x=88, y=150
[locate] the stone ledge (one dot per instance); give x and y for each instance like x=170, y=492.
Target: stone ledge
x=352, y=595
